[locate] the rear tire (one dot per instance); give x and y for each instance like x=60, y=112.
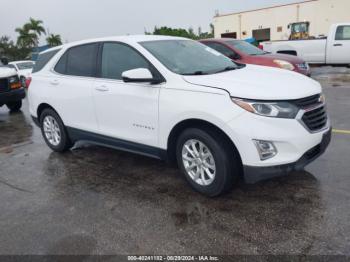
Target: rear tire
x=207, y=161
x=14, y=106
x=54, y=131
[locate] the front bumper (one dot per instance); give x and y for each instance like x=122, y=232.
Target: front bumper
x=12, y=96
x=253, y=174
x=291, y=139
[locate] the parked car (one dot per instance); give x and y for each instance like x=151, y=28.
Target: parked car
x=334, y=49
x=24, y=70
x=242, y=52
x=177, y=99
x=11, y=90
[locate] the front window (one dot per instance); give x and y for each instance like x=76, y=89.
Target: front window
x=245, y=47
x=343, y=33
x=117, y=58
x=25, y=65
x=186, y=57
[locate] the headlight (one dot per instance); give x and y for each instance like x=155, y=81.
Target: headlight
x=284, y=64
x=269, y=109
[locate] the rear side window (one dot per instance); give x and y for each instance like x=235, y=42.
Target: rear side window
x=117, y=58
x=43, y=59
x=221, y=49
x=79, y=61
x=343, y=33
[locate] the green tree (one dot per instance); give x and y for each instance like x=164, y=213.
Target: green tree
x=25, y=37
x=180, y=32
x=54, y=40
x=36, y=28
x=12, y=51
x=30, y=33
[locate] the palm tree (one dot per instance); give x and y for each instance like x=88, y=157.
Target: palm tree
x=54, y=40
x=35, y=26
x=29, y=34
x=26, y=38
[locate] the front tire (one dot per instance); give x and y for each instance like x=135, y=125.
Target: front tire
x=207, y=162
x=54, y=131
x=14, y=106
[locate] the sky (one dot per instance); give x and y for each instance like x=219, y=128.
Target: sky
x=82, y=19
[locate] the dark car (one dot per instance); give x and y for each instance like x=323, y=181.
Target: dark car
x=11, y=90
x=243, y=52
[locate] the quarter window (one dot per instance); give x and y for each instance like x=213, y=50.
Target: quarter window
x=117, y=58
x=343, y=33
x=79, y=61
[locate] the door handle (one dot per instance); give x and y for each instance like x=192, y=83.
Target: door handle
x=54, y=82
x=102, y=88
x=338, y=45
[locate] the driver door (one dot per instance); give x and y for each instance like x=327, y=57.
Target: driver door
x=338, y=50
x=125, y=111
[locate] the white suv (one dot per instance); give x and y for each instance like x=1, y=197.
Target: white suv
x=176, y=99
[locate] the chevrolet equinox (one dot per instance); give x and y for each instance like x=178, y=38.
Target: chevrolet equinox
x=176, y=99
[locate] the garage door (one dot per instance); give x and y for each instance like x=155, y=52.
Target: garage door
x=262, y=34
x=229, y=35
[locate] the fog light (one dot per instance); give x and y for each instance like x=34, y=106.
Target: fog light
x=266, y=149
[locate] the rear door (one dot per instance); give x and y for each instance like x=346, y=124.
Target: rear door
x=338, y=50
x=71, y=87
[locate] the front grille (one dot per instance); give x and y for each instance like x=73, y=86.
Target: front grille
x=303, y=66
x=315, y=119
x=4, y=86
x=307, y=101
x=315, y=115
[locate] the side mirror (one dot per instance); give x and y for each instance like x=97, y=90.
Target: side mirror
x=138, y=75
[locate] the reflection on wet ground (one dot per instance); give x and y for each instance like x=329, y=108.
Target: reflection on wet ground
x=14, y=129
x=95, y=200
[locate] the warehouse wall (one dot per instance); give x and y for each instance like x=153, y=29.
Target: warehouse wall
x=321, y=14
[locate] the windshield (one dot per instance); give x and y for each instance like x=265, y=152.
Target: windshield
x=299, y=28
x=25, y=65
x=186, y=57
x=245, y=47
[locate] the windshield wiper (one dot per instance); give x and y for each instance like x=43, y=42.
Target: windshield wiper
x=196, y=73
x=228, y=68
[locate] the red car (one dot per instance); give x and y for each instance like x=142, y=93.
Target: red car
x=243, y=52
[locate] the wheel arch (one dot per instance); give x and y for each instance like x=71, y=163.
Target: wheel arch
x=42, y=107
x=201, y=124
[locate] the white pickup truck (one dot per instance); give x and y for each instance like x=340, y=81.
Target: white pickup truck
x=334, y=49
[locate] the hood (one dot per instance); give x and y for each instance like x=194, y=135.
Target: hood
x=289, y=58
x=6, y=72
x=260, y=83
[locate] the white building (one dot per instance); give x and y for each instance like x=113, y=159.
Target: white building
x=272, y=23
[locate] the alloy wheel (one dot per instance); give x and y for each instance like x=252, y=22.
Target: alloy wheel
x=199, y=162
x=52, y=130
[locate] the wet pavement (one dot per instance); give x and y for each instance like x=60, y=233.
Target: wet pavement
x=95, y=200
